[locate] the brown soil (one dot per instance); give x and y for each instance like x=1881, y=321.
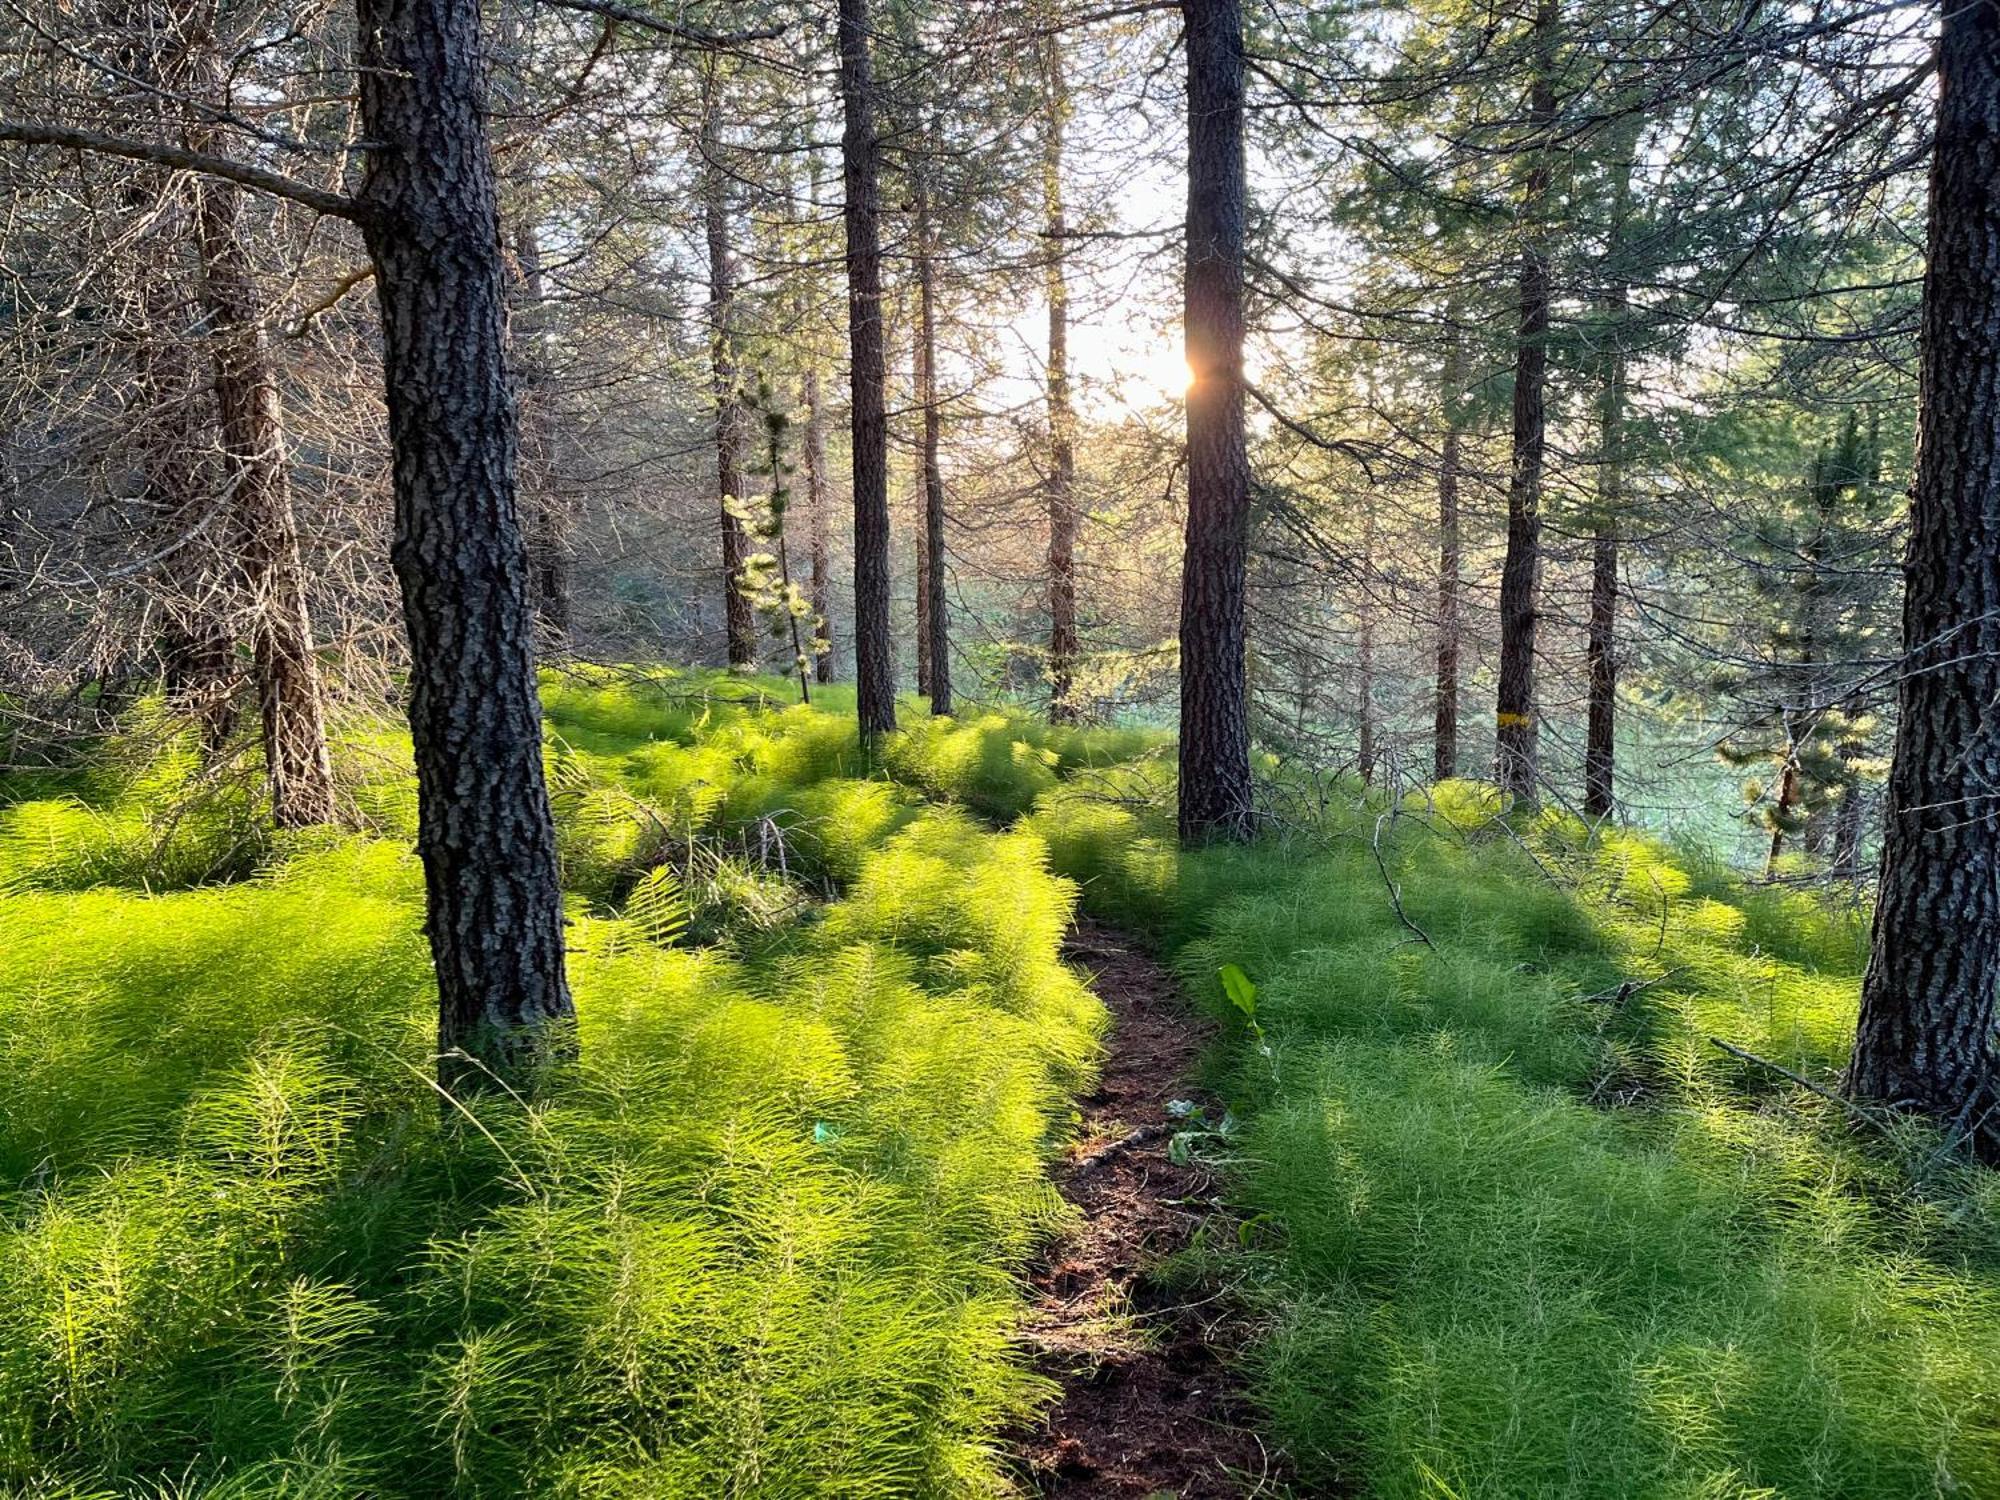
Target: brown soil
x=1149, y=1406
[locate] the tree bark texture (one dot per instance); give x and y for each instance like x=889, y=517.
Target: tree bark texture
x=1450, y=582
x=1926, y=1032
x=874, y=662
x=818, y=502
x=739, y=615
x=1063, y=641
x=258, y=472
x=494, y=910
x=550, y=524
x=934, y=622
x=1515, y=719
x=1215, y=784
x=1600, y=750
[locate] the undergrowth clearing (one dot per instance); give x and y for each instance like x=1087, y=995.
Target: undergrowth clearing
x=1508, y=1222
x=1516, y=1227
x=764, y=1238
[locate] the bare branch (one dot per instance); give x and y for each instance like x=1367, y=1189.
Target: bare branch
x=164, y=153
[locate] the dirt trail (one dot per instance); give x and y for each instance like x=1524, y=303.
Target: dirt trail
x=1148, y=1409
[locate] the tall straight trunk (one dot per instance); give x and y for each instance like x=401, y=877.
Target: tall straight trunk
x=1601, y=645
x=933, y=622
x=1515, y=718
x=484, y=831
x=1444, y=762
x=919, y=524
x=1600, y=751
x=860, y=159
x=1364, y=709
x=549, y=523
x=197, y=597
x=817, y=502
x=1926, y=1035
x=1063, y=641
x=739, y=615
x=1215, y=785
x=257, y=470
x=545, y=507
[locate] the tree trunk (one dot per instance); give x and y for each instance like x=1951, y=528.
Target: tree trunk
x=495, y=916
x=1215, y=785
x=1787, y=798
x=739, y=616
x=1926, y=1033
x=919, y=525
x=874, y=663
x=1600, y=752
x=1365, y=649
x=816, y=497
x=1444, y=763
x=1515, y=726
x=933, y=622
x=1601, y=647
x=549, y=522
x=258, y=473
x=1847, y=833
x=1063, y=642
x=195, y=589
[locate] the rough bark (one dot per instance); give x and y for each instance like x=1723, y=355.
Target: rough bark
x=1515, y=718
x=1215, y=784
x=549, y=522
x=258, y=473
x=1601, y=644
x=933, y=622
x=1364, y=650
x=170, y=413
x=1600, y=751
x=739, y=615
x=818, y=502
x=494, y=909
x=874, y=662
x=1926, y=1033
x=1451, y=462
x=919, y=525
x=1063, y=640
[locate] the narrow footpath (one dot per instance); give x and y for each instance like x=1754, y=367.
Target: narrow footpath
x=1149, y=1410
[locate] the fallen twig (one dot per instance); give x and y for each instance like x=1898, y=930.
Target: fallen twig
x=1866, y=1116
x=1395, y=893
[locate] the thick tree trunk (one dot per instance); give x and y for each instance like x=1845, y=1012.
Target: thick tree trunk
x=495, y=916
x=549, y=523
x=933, y=622
x=1515, y=720
x=1215, y=785
x=1063, y=641
x=739, y=616
x=258, y=473
x=1444, y=764
x=1926, y=1034
x=874, y=662
x=817, y=500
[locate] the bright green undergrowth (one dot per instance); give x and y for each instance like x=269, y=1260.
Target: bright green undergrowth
x=763, y=1239
x=1510, y=1240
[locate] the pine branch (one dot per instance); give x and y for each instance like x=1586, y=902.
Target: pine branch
x=163, y=153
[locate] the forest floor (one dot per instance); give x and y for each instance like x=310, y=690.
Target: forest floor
x=1150, y=1406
